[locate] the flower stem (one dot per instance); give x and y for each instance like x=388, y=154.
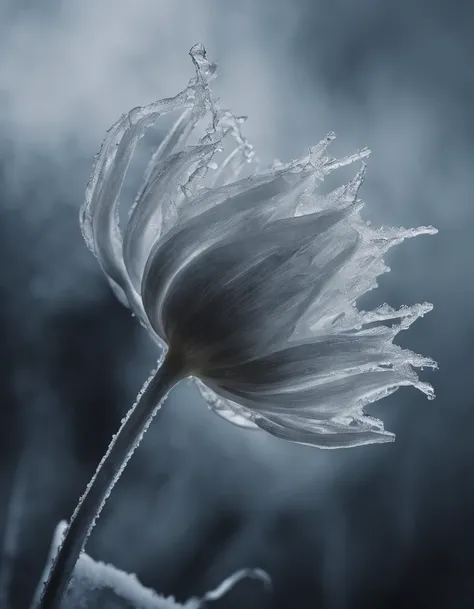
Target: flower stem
x=110, y=468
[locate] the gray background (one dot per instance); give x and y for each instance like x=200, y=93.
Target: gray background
x=387, y=526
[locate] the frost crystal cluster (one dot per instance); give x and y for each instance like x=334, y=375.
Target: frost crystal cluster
x=249, y=278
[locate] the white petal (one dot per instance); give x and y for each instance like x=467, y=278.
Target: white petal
x=243, y=213
x=311, y=363
x=310, y=385
x=359, y=276
x=99, y=215
x=333, y=396
x=325, y=434
x=156, y=209
x=245, y=296
x=227, y=409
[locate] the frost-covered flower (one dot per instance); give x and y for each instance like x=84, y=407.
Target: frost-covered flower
x=251, y=282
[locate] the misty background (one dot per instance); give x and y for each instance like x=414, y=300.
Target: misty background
x=387, y=526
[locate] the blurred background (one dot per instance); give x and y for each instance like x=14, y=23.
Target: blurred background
x=386, y=526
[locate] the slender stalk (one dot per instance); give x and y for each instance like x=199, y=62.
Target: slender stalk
x=110, y=468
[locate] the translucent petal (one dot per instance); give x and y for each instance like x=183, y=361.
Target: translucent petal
x=99, y=215
x=243, y=213
x=342, y=195
x=327, y=434
x=230, y=169
x=333, y=396
x=245, y=296
x=210, y=198
x=310, y=383
x=227, y=409
x=175, y=139
x=359, y=276
x=156, y=208
x=311, y=362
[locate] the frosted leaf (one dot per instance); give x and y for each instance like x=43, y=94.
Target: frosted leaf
x=96, y=585
x=230, y=582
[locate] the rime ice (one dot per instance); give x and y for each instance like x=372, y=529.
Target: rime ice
x=252, y=282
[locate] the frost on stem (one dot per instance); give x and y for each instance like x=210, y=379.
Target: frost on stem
x=120, y=450
x=96, y=585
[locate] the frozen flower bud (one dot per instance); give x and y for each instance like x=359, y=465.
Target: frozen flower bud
x=251, y=282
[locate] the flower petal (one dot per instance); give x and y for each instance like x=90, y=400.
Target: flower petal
x=156, y=208
x=326, y=434
x=243, y=213
x=245, y=295
x=99, y=216
x=336, y=303
x=333, y=396
x=306, y=363
x=328, y=377
x=227, y=409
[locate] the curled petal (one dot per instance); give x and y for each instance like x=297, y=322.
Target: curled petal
x=310, y=386
x=325, y=434
x=309, y=363
x=99, y=215
x=333, y=396
x=227, y=409
x=156, y=209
